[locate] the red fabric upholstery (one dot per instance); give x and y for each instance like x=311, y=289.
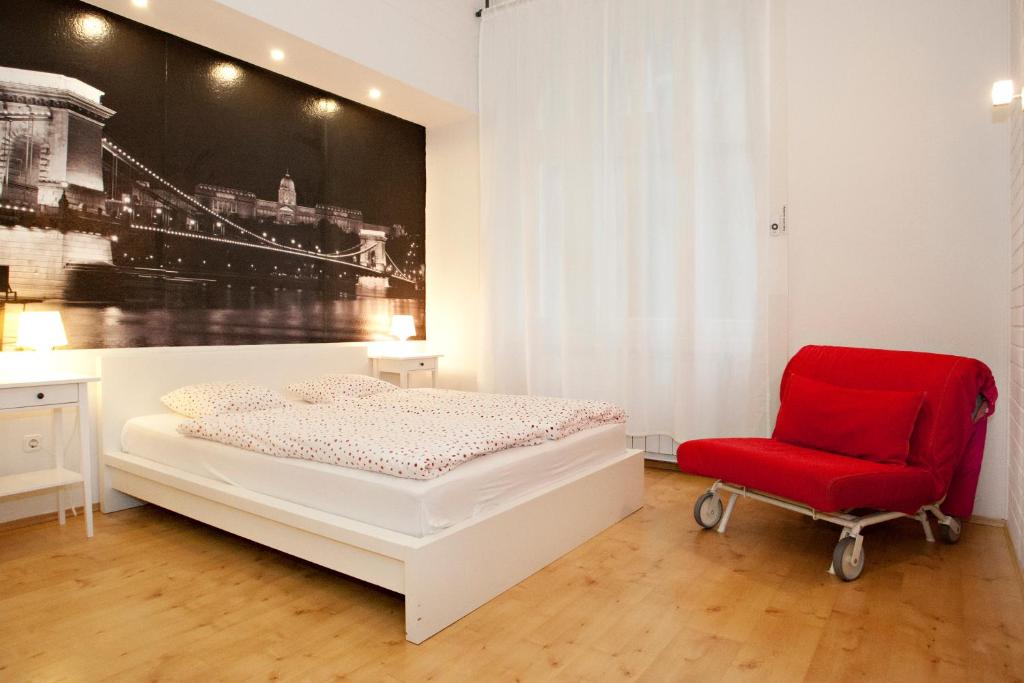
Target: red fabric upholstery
x=945, y=440
x=825, y=481
x=960, y=496
x=863, y=423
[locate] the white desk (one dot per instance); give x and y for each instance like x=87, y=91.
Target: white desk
x=402, y=363
x=53, y=392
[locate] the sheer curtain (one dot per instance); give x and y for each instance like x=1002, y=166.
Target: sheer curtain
x=623, y=190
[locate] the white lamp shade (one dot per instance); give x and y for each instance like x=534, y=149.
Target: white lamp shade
x=1002, y=92
x=403, y=326
x=41, y=330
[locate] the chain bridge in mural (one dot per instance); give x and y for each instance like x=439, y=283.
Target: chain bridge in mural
x=85, y=220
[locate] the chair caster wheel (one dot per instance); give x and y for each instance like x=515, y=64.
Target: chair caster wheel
x=708, y=510
x=950, y=533
x=846, y=566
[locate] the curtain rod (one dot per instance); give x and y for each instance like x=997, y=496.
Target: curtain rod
x=496, y=4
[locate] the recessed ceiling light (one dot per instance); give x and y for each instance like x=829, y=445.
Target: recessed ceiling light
x=277, y=54
x=141, y=3
x=374, y=94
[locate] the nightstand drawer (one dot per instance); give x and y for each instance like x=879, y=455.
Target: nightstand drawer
x=407, y=364
x=45, y=395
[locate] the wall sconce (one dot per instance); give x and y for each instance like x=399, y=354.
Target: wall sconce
x=1003, y=92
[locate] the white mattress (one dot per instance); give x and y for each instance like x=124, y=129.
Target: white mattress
x=408, y=506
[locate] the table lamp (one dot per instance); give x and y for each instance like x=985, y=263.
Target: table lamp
x=41, y=330
x=403, y=327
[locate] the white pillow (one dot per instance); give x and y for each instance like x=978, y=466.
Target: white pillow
x=335, y=388
x=218, y=398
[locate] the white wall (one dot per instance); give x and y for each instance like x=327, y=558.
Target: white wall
x=896, y=177
x=1014, y=398
x=453, y=249
x=897, y=185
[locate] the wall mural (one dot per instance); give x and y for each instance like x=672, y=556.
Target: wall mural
x=161, y=194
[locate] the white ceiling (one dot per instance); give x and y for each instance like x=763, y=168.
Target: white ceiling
x=422, y=54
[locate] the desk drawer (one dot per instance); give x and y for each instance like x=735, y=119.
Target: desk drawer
x=30, y=397
x=407, y=364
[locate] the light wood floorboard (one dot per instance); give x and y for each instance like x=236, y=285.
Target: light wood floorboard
x=156, y=596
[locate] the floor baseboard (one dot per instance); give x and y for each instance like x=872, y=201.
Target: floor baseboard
x=987, y=521
x=659, y=464
x=37, y=519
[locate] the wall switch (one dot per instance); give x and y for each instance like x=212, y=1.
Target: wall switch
x=32, y=443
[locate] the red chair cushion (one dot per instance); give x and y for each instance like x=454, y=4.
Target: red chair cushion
x=951, y=385
x=824, y=481
x=863, y=423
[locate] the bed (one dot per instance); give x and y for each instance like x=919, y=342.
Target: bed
x=448, y=544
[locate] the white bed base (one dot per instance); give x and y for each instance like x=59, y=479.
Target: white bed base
x=443, y=576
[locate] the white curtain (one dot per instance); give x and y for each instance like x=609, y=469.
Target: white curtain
x=623, y=189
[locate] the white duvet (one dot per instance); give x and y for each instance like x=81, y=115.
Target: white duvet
x=411, y=433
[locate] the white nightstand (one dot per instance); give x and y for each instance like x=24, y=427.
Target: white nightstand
x=401, y=363
x=53, y=392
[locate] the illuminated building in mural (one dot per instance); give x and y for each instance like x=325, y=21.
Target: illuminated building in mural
x=229, y=201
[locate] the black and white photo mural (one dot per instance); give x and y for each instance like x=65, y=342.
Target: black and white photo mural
x=158, y=193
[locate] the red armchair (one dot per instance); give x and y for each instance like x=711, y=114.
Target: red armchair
x=899, y=433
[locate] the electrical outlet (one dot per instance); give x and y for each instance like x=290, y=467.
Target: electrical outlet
x=32, y=443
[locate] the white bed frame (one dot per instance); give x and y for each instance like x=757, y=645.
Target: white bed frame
x=443, y=577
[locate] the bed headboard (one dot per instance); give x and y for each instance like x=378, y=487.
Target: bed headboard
x=133, y=380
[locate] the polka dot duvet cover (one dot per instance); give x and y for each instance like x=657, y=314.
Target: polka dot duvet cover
x=410, y=433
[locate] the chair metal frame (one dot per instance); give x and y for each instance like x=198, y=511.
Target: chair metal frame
x=852, y=524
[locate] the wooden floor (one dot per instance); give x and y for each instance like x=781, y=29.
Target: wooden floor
x=155, y=596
